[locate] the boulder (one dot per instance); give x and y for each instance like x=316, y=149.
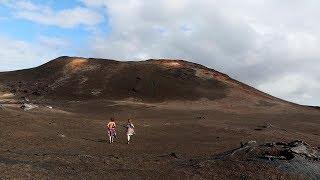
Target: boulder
x=304, y=149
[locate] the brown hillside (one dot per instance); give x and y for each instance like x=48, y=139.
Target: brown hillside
x=73, y=78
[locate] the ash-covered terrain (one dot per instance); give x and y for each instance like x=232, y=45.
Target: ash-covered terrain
x=191, y=122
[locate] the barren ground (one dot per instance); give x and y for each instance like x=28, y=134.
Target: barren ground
x=69, y=141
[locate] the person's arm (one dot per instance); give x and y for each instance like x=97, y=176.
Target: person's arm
x=132, y=125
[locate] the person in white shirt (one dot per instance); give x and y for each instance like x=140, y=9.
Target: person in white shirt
x=130, y=130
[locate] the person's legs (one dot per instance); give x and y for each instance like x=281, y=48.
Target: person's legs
x=110, y=136
x=128, y=138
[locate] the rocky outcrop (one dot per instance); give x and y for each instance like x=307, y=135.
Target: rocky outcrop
x=296, y=157
x=274, y=151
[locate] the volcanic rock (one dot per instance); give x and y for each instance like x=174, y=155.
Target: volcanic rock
x=28, y=107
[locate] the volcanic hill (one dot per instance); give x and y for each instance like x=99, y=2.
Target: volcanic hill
x=73, y=78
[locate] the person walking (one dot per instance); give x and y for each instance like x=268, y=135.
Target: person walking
x=130, y=130
x=111, y=129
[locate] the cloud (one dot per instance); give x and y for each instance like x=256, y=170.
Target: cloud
x=95, y=3
x=258, y=42
x=17, y=54
x=28, y=6
x=53, y=42
x=297, y=87
x=66, y=18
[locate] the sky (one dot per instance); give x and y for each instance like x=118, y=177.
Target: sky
x=271, y=45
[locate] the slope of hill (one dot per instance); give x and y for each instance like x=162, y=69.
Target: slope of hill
x=72, y=78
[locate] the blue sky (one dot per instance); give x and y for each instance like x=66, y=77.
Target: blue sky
x=23, y=29
x=272, y=45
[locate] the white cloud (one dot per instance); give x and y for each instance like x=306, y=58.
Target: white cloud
x=16, y=54
x=94, y=3
x=27, y=5
x=53, y=42
x=66, y=18
x=297, y=87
